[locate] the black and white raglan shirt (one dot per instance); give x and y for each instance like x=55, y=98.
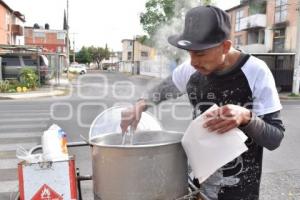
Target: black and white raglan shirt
x=248, y=83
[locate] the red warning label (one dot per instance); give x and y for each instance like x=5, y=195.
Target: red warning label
x=46, y=193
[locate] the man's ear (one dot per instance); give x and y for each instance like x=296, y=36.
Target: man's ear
x=226, y=46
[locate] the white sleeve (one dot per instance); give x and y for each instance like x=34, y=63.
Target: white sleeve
x=181, y=75
x=265, y=96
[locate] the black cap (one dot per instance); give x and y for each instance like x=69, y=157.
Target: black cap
x=205, y=27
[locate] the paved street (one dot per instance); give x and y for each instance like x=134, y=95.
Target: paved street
x=23, y=121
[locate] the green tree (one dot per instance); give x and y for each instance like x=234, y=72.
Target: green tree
x=207, y=2
x=161, y=12
x=158, y=12
x=98, y=54
x=83, y=56
x=163, y=18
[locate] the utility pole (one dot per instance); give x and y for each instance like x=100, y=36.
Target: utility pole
x=0, y=68
x=296, y=77
x=133, y=65
x=68, y=45
x=74, y=51
x=73, y=46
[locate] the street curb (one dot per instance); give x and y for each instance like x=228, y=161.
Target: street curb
x=33, y=95
x=290, y=98
x=5, y=98
x=287, y=96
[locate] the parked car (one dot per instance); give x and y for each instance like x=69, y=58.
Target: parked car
x=77, y=69
x=12, y=63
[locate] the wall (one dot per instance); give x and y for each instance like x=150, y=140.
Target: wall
x=157, y=68
x=3, y=25
x=46, y=38
x=126, y=47
x=233, y=34
x=291, y=30
x=138, y=49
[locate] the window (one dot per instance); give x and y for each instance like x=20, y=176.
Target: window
x=238, y=41
x=39, y=34
x=7, y=21
x=130, y=45
x=256, y=36
x=129, y=56
x=238, y=17
x=280, y=11
x=29, y=61
x=144, y=54
x=279, y=40
x=61, y=36
x=257, y=6
x=11, y=61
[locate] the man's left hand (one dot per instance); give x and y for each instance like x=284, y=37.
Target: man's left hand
x=226, y=118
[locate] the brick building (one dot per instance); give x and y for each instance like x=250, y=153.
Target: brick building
x=53, y=41
x=11, y=26
x=261, y=26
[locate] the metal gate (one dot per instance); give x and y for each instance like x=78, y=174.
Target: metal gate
x=281, y=66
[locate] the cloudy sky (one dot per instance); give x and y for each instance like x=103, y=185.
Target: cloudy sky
x=92, y=22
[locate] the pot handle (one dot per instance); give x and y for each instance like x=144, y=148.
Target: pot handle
x=85, y=140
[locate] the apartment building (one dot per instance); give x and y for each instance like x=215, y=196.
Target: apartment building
x=11, y=25
x=261, y=26
x=53, y=41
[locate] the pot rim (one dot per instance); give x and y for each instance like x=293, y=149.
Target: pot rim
x=128, y=146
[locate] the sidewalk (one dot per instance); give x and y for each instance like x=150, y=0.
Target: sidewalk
x=287, y=96
x=45, y=91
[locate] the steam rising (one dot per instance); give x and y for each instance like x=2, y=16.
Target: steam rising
x=167, y=54
x=175, y=26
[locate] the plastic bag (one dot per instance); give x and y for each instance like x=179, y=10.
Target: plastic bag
x=54, y=144
x=23, y=154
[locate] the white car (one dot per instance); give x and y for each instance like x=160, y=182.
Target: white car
x=78, y=69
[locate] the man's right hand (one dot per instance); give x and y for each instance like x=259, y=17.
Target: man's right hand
x=132, y=115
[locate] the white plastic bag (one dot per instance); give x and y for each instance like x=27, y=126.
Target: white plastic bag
x=23, y=154
x=54, y=144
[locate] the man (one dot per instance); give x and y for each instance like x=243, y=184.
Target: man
x=240, y=84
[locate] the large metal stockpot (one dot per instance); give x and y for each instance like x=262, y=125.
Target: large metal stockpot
x=153, y=167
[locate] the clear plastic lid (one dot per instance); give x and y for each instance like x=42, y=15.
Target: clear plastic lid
x=108, y=122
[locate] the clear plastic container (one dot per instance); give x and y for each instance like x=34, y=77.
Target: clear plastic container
x=108, y=122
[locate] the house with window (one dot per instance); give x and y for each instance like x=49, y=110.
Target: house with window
x=133, y=50
x=261, y=26
x=135, y=54
x=53, y=41
x=11, y=25
x=141, y=59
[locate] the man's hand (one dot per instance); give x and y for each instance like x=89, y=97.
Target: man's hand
x=226, y=118
x=132, y=115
